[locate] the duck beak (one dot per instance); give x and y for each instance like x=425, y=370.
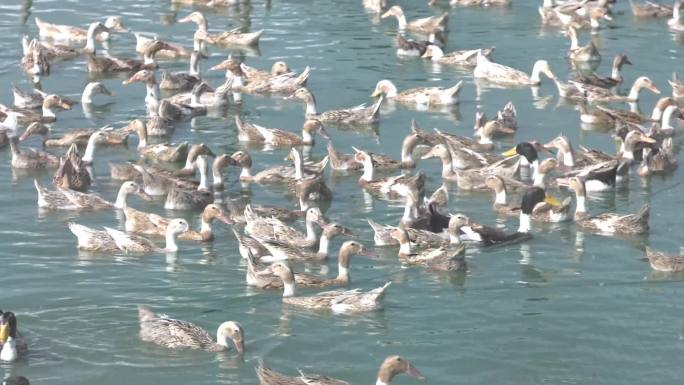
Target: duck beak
x=65, y=105
x=376, y=93
x=142, y=194
x=653, y=89
x=4, y=333
x=386, y=15
x=106, y=91
x=647, y=139
x=347, y=232
x=186, y=19
x=510, y=152
x=24, y=136
x=321, y=221
x=412, y=371
x=223, y=218
x=607, y=17
x=551, y=200
x=369, y=253
x=323, y=133
x=239, y=346
x=220, y=66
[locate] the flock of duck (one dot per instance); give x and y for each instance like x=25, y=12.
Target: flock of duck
x=271, y=247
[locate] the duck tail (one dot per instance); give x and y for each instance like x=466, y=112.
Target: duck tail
x=376, y=226
x=333, y=155
x=145, y=314
x=39, y=23
x=453, y=91
x=375, y=112
x=641, y=218
x=303, y=77
x=380, y=291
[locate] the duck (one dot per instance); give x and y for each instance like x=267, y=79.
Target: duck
x=183, y=81
x=100, y=64
x=390, y=367
x=583, y=54
x=142, y=43
x=677, y=86
x=382, y=235
x=443, y=258
x=571, y=160
x=375, y=6
x=650, y=9
x=666, y=128
x=265, y=280
x=134, y=244
x=659, y=160
x=607, y=223
x=171, y=333
x=73, y=172
x=13, y=343
x=276, y=174
x=601, y=95
x=532, y=198
x=346, y=162
x=91, y=240
x=359, y=115
x=148, y=78
x=139, y=222
x=615, y=77
x=339, y=301
x=676, y=23
x=228, y=38
x=46, y=115
x=481, y=3
x=209, y=98
x=31, y=99
x=67, y=199
x=76, y=34
x=415, y=48
x=507, y=76
x=31, y=158
x=283, y=84
x=277, y=68
x=77, y=136
x=160, y=152
x=501, y=204
x=175, y=111
x=429, y=96
x=179, y=198
x=612, y=116
x=463, y=58
x=424, y=25
x=389, y=186
x=474, y=179
x=263, y=228
x=663, y=262
x=35, y=61
x=249, y=132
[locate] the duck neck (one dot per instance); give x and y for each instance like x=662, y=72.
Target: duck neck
x=343, y=266
x=567, y=156
x=501, y=197
x=581, y=204
x=89, y=154
x=204, y=183
x=90, y=40
x=310, y=231
x=437, y=53
x=171, y=244
x=9, y=350
x=447, y=165
x=216, y=174
x=323, y=245
x=485, y=137
x=368, y=170
x=574, y=43
x=535, y=77
x=409, y=210
x=615, y=73
x=311, y=105
x=405, y=247
x=401, y=18
x=407, y=150
x=307, y=138
x=142, y=137
x=667, y=118
x=152, y=97
x=289, y=288
x=525, y=223
x=205, y=226
x=87, y=96
x=539, y=179
x=298, y=166
x=390, y=90
x=246, y=172
x=121, y=199
x=634, y=93
x=48, y=112
x=194, y=65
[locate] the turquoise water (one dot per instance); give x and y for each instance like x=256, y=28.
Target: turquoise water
x=564, y=308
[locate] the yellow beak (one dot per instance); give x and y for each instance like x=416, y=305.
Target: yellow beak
x=551, y=200
x=647, y=139
x=4, y=333
x=376, y=93
x=510, y=152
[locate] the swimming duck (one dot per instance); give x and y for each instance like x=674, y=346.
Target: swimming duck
x=607, y=223
x=35, y=61
x=134, y=244
x=465, y=58
x=76, y=34
x=375, y=6
x=76, y=136
x=677, y=86
x=140, y=222
x=209, y=97
x=612, y=116
x=676, y=23
x=587, y=53
x=179, y=198
x=389, y=186
x=507, y=76
x=182, y=81
x=31, y=158
x=13, y=343
x=174, y=334
x=474, y=178
x=175, y=111
x=352, y=116
x=247, y=132
x=660, y=160
x=663, y=262
x=414, y=48
x=430, y=96
x=161, y=152
x=142, y=43
x=283, y=84
x=229, y=38
x=73, y=172
x=382, y=236
x=32, y=99
x=650, y=9
x=339, y=301
x=111, y=64
x=264, y=280
x=276, y=174
x=501, y=205
x=88, y=239
x=340, y=161
x=277, y=68
x=615, y=77
x=47, y=115
x=532, y=198
x=443, y=258
x=424, y=25
x=392, y=366
x=603, y=95
x=263, y=228
x=68, y=199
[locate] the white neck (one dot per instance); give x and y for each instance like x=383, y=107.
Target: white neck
x=89, y=154
x=368, y=170
x=634, y=92
x=437, y=53
x=90, y=40
x=454, y=239
x=323, y=244
x=501, y=197
x=288, y=289
x=194, y=66
x=311, y=106
x=298, y=166
x=9, y=350
x=148, y=59
x=615, y=74
x=406, y=154
x=204, y=183
x=171, y=244
x=574, y=44
x=216, y=176
x=408, y=212
x=594, y=23
x=401, y=18
x=485, y=138
x=525, y=223
x=536, y=71
x=568, y=159
x=205, y=227
x=380, y=382
x=87, y=96
x=121, y=199
x=48, y=112
x=310, y=231
x=307, y=138
x=195, y=100
x=405, y=248
x=245, y=173
x=342, y=271
x=390, y=90
x=581, y=205
x=667, y=116
x=152, y=98
x=538, y=179
x=222, y=340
